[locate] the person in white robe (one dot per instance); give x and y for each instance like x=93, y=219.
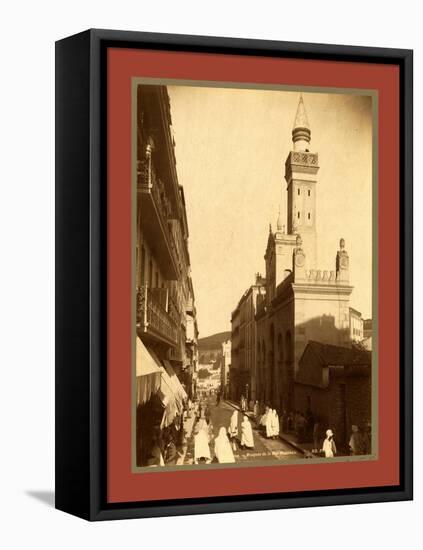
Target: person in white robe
x=222, y=447
x=275, y=424
x=233, y=426
x=329, y=447
x=269, y=424
x=263, y=418
x=202, y=425
x=201, y=447
x=247, y=439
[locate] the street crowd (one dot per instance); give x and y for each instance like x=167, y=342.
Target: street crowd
x=169, y=446
x=227, y=440
x=307, y=428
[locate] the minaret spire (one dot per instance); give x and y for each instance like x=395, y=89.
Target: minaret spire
x=301, y=133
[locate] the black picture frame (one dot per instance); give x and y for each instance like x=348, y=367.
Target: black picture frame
x=81, y=256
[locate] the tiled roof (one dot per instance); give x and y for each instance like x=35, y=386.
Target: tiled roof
x=329, y=354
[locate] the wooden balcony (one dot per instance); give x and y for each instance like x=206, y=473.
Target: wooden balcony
x=153, y=320
x=155, y=216
x=189, y=306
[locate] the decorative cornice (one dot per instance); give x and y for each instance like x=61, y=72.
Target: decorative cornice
x=318, y=288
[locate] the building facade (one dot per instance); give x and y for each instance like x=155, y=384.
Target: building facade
x=243, y=374
x=334, y=382
x=367, y=328
x=356, y=325
x=302, y=302
x=165, y=306
x=225, y=367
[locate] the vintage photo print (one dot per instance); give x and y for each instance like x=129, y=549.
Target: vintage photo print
x=254, y=246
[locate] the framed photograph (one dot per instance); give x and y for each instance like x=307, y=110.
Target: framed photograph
x=233, y=274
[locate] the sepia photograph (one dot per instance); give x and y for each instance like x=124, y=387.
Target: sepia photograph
x=254, y=302
x=240, y=289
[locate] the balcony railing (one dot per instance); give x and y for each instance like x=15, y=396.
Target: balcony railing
x=152, y=315
x=189, y=306
x=150, y=185
x=149, y=182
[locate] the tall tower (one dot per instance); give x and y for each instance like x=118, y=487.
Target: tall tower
x=301, y=169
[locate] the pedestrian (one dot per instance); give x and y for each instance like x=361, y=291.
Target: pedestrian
x=201, y=447
x=207, y=414
x=263, y=418
x=247, y=440
x=210, y=429
x=356, y=443
x=222, y=448
x=202, y=423
x=301, y=427
x=367, y=439
x=256, y=411
x=178, y=430
x=269, y=424
x=329, y=447
x=156, y=457
x=233, y=429
x=275, y=424
x=170, y=452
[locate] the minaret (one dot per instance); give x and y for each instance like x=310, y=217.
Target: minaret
x=301, y=133
x=301, y=169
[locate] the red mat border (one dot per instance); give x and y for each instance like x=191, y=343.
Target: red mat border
x=122, y=484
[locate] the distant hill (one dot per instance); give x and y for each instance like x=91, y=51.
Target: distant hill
x=214, y=341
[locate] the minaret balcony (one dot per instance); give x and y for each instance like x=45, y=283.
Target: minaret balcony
x=301, y=161
x=304, y=158
x=153, y=320
x=155, y=215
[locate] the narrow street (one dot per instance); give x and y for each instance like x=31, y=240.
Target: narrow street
x=264, y=449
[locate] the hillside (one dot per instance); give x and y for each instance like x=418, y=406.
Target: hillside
x=214, y=341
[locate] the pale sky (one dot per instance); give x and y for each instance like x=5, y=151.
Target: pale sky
x=231, y=147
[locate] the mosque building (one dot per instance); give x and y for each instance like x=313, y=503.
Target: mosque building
x=301, y=302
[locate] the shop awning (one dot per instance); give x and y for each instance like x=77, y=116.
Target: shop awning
x=179, y=389
x=169, y=393
x=148, y=373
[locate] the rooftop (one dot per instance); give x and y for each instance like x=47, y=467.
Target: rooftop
x=330, y=355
